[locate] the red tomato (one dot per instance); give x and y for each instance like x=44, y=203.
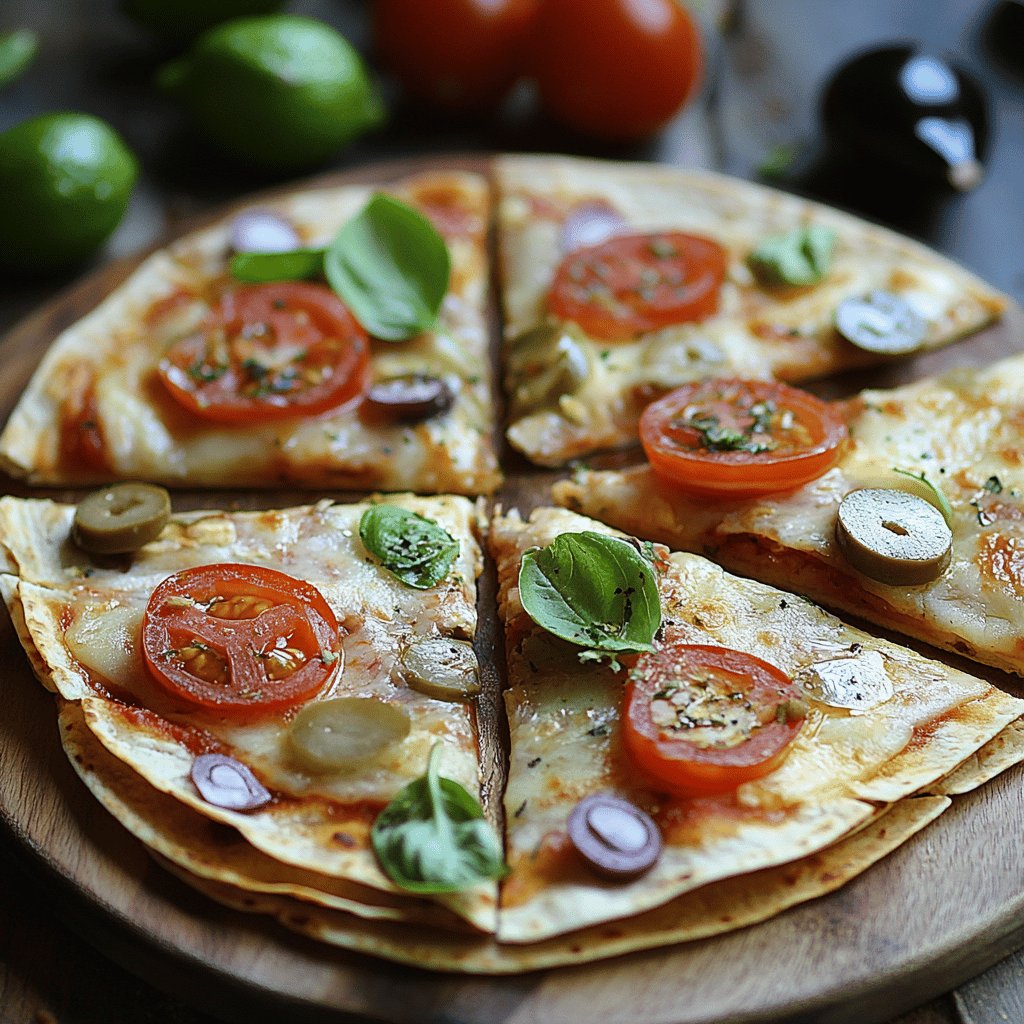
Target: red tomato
x=459, y=54
x=270, y=351
x=616, y=69
x=701, y=720
x=635, y=283
x=240, y=639
x=741, y=438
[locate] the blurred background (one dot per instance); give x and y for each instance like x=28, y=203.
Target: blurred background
x=755, y=110
x=910, y=112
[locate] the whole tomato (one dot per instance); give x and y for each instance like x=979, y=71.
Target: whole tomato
x=615, y=69
x=458, y=54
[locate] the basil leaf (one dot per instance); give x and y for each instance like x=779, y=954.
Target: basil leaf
x=391, y=267
x=415, y=549
x=800, y=257
x=293, y=265
x=17, y=51
x=941, y=502
x=433, y=837
x=593, y=590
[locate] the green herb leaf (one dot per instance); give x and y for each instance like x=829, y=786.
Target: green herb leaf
x=941, y=502
x=415, y=549
x=391, y=267
x=717, y=438
x=293, y=265
x=17, y=51
x=433, y=836
x=778, y=160
x=593, y=590
x=993, y=485
x=799, y=257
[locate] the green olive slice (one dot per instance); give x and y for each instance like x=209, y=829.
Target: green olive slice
x=881, y=322
x=440, y=667
x=893, y=536
x=121, y=518
x=543, y=364
x=332, y=735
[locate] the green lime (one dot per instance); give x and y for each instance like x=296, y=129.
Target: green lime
x=280, y=91
x=183, y=20
x=17, y=51
x=65, y=179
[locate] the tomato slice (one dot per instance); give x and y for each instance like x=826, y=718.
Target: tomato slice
x=270, y=351
x=240, y=639
x=730, y=438
x=701, y=720
x=630, y=284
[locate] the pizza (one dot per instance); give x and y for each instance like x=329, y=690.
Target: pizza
x=622, y=281
x=300, y=674
x=947, y=449
x=285, y=705
x=187, y=375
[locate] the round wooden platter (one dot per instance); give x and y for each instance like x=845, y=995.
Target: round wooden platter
x=942, y=908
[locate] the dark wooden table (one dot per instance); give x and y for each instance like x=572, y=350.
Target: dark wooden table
x=766, y=76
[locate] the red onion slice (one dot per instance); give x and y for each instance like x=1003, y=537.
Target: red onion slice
x=590, y=224
x=616, y=838
x=410, y=398
x=263, y=231
x=225, y=782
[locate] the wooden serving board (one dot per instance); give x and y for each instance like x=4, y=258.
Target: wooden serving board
x=943, y=907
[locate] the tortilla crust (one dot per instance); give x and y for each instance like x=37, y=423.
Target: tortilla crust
x=112, y=353
x=839, y=768
x=783, y=333
x=712, y=910
x=209, y=849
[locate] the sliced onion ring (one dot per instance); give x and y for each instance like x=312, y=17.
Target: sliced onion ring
x=225, y=782
x=617, y=838
x=260, y=230
x=589, y=224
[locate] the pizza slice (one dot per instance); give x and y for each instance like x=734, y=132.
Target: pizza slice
x=930, y=473
x=752, y=729
x=202, y=371
x=622, y=281
x=304, y=675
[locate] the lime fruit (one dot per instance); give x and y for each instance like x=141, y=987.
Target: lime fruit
x=17, y=51
x=65, y=178
x=280, y=91
x=183, y=20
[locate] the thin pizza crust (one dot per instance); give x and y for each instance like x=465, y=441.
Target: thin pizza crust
x=217, y=862
x=964, y=431
x=914, y=721
x=105, y=365
x=757, y=332
x=712, y=910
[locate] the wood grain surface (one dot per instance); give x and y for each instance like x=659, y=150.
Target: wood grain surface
x=936, y=912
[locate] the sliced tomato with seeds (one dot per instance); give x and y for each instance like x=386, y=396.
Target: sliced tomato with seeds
x=700, y=720
x=240, y=639
x=270, y=351
x=631, y=284
x=731, y=438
